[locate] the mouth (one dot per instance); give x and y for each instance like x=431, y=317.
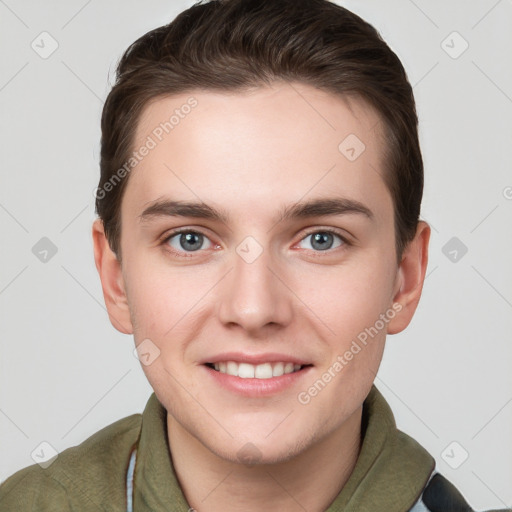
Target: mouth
x=261, y=371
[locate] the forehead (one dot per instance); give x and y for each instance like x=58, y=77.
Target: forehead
x=279, y=142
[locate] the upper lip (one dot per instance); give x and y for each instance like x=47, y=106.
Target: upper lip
x=255, y=359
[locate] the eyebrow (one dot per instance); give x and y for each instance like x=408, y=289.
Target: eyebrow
x=314, y=208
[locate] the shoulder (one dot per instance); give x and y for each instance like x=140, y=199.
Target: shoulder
x=83, y=476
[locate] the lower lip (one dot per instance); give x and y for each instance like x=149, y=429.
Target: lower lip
x=257, y=387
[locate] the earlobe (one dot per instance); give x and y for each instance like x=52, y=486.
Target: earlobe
x=112, y=280
x=410, y=278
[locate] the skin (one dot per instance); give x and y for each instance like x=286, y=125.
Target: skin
x=251, y=154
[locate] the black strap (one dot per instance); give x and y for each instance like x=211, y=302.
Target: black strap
x=441, y=496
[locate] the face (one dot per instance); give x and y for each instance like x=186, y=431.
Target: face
x=258, y=252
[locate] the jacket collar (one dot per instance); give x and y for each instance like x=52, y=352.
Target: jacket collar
x=390, y=473
x=392, y=468
x=155, y=483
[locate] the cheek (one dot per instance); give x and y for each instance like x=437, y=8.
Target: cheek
x=169, y=305
x=157, y=297
x=350, y=298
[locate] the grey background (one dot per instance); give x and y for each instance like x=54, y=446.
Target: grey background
x=65, y=372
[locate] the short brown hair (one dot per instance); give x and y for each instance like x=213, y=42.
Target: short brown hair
x=236, y=44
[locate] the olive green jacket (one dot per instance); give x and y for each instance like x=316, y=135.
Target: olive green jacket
x=390, y=475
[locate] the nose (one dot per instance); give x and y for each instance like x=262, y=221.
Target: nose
x=254, y=295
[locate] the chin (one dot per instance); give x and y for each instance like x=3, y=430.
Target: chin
x=259, y=450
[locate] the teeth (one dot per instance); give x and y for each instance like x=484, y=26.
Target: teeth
x=245, y=371
x=278, y=370
x=259, y=371
x=263, y=371
x=232, y=368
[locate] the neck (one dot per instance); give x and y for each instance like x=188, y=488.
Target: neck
x=309, y=481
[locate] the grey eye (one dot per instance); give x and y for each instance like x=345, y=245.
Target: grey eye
x=323, y=240
x=188, y=241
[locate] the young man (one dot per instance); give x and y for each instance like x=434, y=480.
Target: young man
x=259, y=235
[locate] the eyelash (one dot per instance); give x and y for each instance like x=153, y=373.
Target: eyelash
x=189, y=254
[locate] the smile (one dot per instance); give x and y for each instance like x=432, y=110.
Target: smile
x=258, y=371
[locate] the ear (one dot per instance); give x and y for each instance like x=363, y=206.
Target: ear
x=409, y=278
x=112, y=281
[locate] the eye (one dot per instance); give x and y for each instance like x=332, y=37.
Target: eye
x=323, y=240
x=188, y=241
